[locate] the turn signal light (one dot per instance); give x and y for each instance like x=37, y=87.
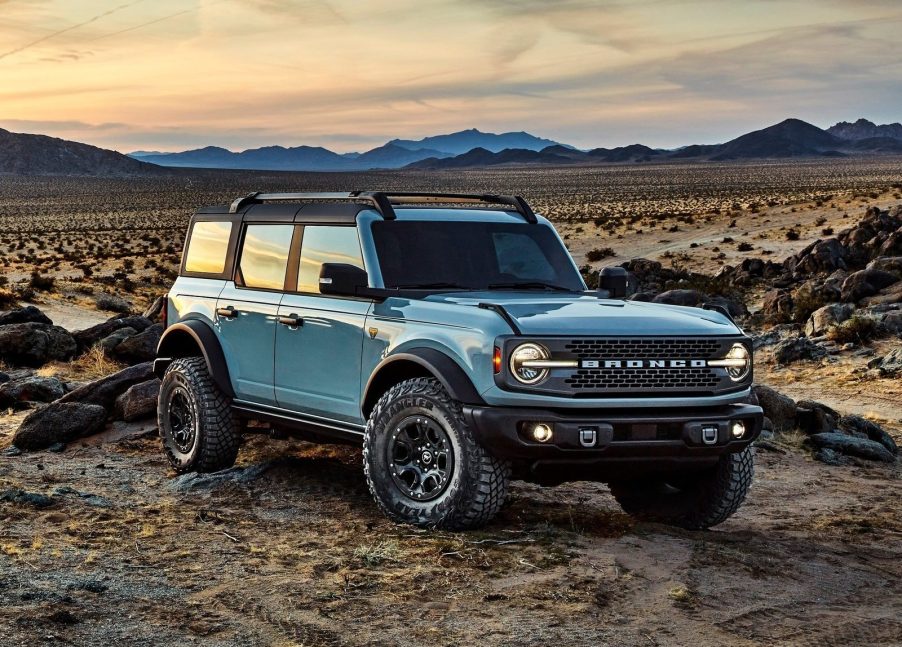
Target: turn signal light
x=496, y=361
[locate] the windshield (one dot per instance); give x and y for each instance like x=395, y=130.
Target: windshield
x=473, y=256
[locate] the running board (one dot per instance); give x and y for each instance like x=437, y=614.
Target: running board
x=336, y=429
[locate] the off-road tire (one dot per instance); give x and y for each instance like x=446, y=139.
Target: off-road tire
x=477, y=486
x=216, y=429
x=695, y=501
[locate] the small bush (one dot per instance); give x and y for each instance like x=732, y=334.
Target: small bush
x=827, y=231
x=745, y=247
x=599, y=253
x=41, y=283
x=792, y=234
x=857, y=330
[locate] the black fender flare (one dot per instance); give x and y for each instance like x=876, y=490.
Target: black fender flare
x=179, y=340
x=441, y=366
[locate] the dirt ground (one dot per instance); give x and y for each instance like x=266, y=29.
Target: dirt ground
x=290, y=550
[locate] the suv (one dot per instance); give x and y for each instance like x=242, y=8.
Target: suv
x=454, y=338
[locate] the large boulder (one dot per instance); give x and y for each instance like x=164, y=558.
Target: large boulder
x=680, y=298
x=139, y=401
x=35, y=344
x=31, y=389
x=793, y=350
x=853, y=446
x=890, y=364
x=779, y=408
x=59, y=422
x=865, y=283
x=155, y=309
x=777, y=305
x=820, y=257
x=90, y=336
x=141, y=347
x=108, y=344
x=891, y=264
x=830, y=315
x=862, y=427
x=814, y=418
x=28, y=314
x=103, y=392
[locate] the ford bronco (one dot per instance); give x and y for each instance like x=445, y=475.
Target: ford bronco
x=455, y=339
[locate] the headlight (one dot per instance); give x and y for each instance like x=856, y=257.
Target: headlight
x=738, y=362
x=521, y=358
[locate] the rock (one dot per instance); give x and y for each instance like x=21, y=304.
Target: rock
x=830, y=315
x=735, y=308
x=113, y=303
x=4, y=377
x=779, y=409
x=109, y=343
x=820, y=257
x=28, y=314
x=59, y=422
x=104, y=391
x=852, y=446
x=891, y=264
x=139, y=401
x=891, y=363
x=31, y=389
x=892, y=321
x=57, y=448
x=871, y=430
x=90, y=499
x=195, y=481
x=155, y=309
x=777, y=305
x=886, y=296
x=680, y=298
x=141, y=347
x=22, y=497
x=865, y=283
x=12, y=450
x=775, y=335
x=829, y=456
x=814, y=417
x=35, y=344
x=793, y=350
x=90, y=336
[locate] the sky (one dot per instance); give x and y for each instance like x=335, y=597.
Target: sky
x=350, y=74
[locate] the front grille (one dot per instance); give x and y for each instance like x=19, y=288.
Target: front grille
x=644, y=379
x=643, y=348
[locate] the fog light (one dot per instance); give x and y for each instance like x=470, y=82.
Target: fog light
x=541, y=432
x=738, y=429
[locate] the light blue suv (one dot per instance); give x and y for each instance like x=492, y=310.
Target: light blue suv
x=454, y=338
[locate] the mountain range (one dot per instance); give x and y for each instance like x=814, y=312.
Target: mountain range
x=41, y=155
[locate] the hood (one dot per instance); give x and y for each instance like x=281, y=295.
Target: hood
x=568, y=314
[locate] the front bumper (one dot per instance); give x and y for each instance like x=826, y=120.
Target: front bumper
x=665, y=438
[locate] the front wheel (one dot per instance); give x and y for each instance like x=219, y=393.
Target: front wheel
x=695, y=501
x=199, y=430
x=423, y=464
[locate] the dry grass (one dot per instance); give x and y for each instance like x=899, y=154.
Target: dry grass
x=92, y=365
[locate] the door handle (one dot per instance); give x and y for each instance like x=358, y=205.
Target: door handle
x=292, y=321
x=227, y=313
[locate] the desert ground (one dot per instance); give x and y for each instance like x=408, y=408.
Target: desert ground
x=101, y=543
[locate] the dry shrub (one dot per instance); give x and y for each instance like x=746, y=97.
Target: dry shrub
x=857, y=330
x=92, y=365
x=7, y=299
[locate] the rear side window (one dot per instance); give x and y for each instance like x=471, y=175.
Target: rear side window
x=264, y=256
x=326, y=245
x=208, y=247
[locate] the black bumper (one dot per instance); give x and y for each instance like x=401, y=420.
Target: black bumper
x=651, y=438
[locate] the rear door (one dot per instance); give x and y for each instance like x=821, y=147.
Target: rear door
x=317, y=365
x=247, y=309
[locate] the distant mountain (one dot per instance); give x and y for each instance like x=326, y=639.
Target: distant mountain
x=631, y=153
x=483, y=157
x=864, y=129
x=392, y=156
x=789, y=138
x=466, y=140
x=41, y=155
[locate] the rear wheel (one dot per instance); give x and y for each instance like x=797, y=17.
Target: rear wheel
x=423, y=464
x=199, y=431
x=695, y=501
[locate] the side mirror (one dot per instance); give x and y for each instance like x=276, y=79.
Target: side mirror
x=614, y=281
x=342, y=279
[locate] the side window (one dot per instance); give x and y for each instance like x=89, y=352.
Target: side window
x=326, y=245
x=208, y=246
x=264, y=256
x=518, y=257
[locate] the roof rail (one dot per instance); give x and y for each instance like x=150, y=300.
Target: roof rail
x=384, y=201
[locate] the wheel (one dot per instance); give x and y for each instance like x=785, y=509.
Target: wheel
x=423, y=464
x=200, y=433
x=694, y=501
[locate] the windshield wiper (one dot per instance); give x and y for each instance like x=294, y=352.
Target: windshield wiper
x=430, y=286
x=528, y=285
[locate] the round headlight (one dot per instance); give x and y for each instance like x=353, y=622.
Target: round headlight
x=739, y=373
x=520, y=358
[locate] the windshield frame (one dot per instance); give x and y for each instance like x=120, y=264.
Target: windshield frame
x=567, y=277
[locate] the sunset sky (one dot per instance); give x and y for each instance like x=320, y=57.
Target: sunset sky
x=350, y=74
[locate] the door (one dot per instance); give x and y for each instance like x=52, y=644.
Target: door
x=319, y=343
x=248, y=307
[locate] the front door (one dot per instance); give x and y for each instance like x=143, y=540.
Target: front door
x=248, y=307
x=320, y=339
